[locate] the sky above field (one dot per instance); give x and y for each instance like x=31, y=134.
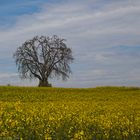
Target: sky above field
x=103, y=34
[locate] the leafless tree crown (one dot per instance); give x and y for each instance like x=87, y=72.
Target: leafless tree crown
x=43, y=58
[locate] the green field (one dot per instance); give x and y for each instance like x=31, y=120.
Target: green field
x=104, y=113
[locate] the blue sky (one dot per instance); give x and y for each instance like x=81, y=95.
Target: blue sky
x=9, y=10
x=104, y=36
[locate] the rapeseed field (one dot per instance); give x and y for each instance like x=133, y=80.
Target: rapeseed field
x=103, y=113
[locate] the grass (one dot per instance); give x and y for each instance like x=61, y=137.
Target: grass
x=70, y=114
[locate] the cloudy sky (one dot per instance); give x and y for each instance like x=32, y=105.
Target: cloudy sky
x=103, y=34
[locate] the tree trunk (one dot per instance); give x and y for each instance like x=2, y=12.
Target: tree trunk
x=44, y=83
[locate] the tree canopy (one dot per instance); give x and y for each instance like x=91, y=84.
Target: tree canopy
x=43, y=58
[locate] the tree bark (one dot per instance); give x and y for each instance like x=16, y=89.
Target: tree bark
x=44, y=83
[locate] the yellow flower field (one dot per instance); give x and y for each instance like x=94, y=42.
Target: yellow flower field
x=106, y=113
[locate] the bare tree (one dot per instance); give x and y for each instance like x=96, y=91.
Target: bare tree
x=44, y=58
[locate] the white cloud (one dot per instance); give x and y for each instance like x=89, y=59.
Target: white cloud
x=7, y=75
